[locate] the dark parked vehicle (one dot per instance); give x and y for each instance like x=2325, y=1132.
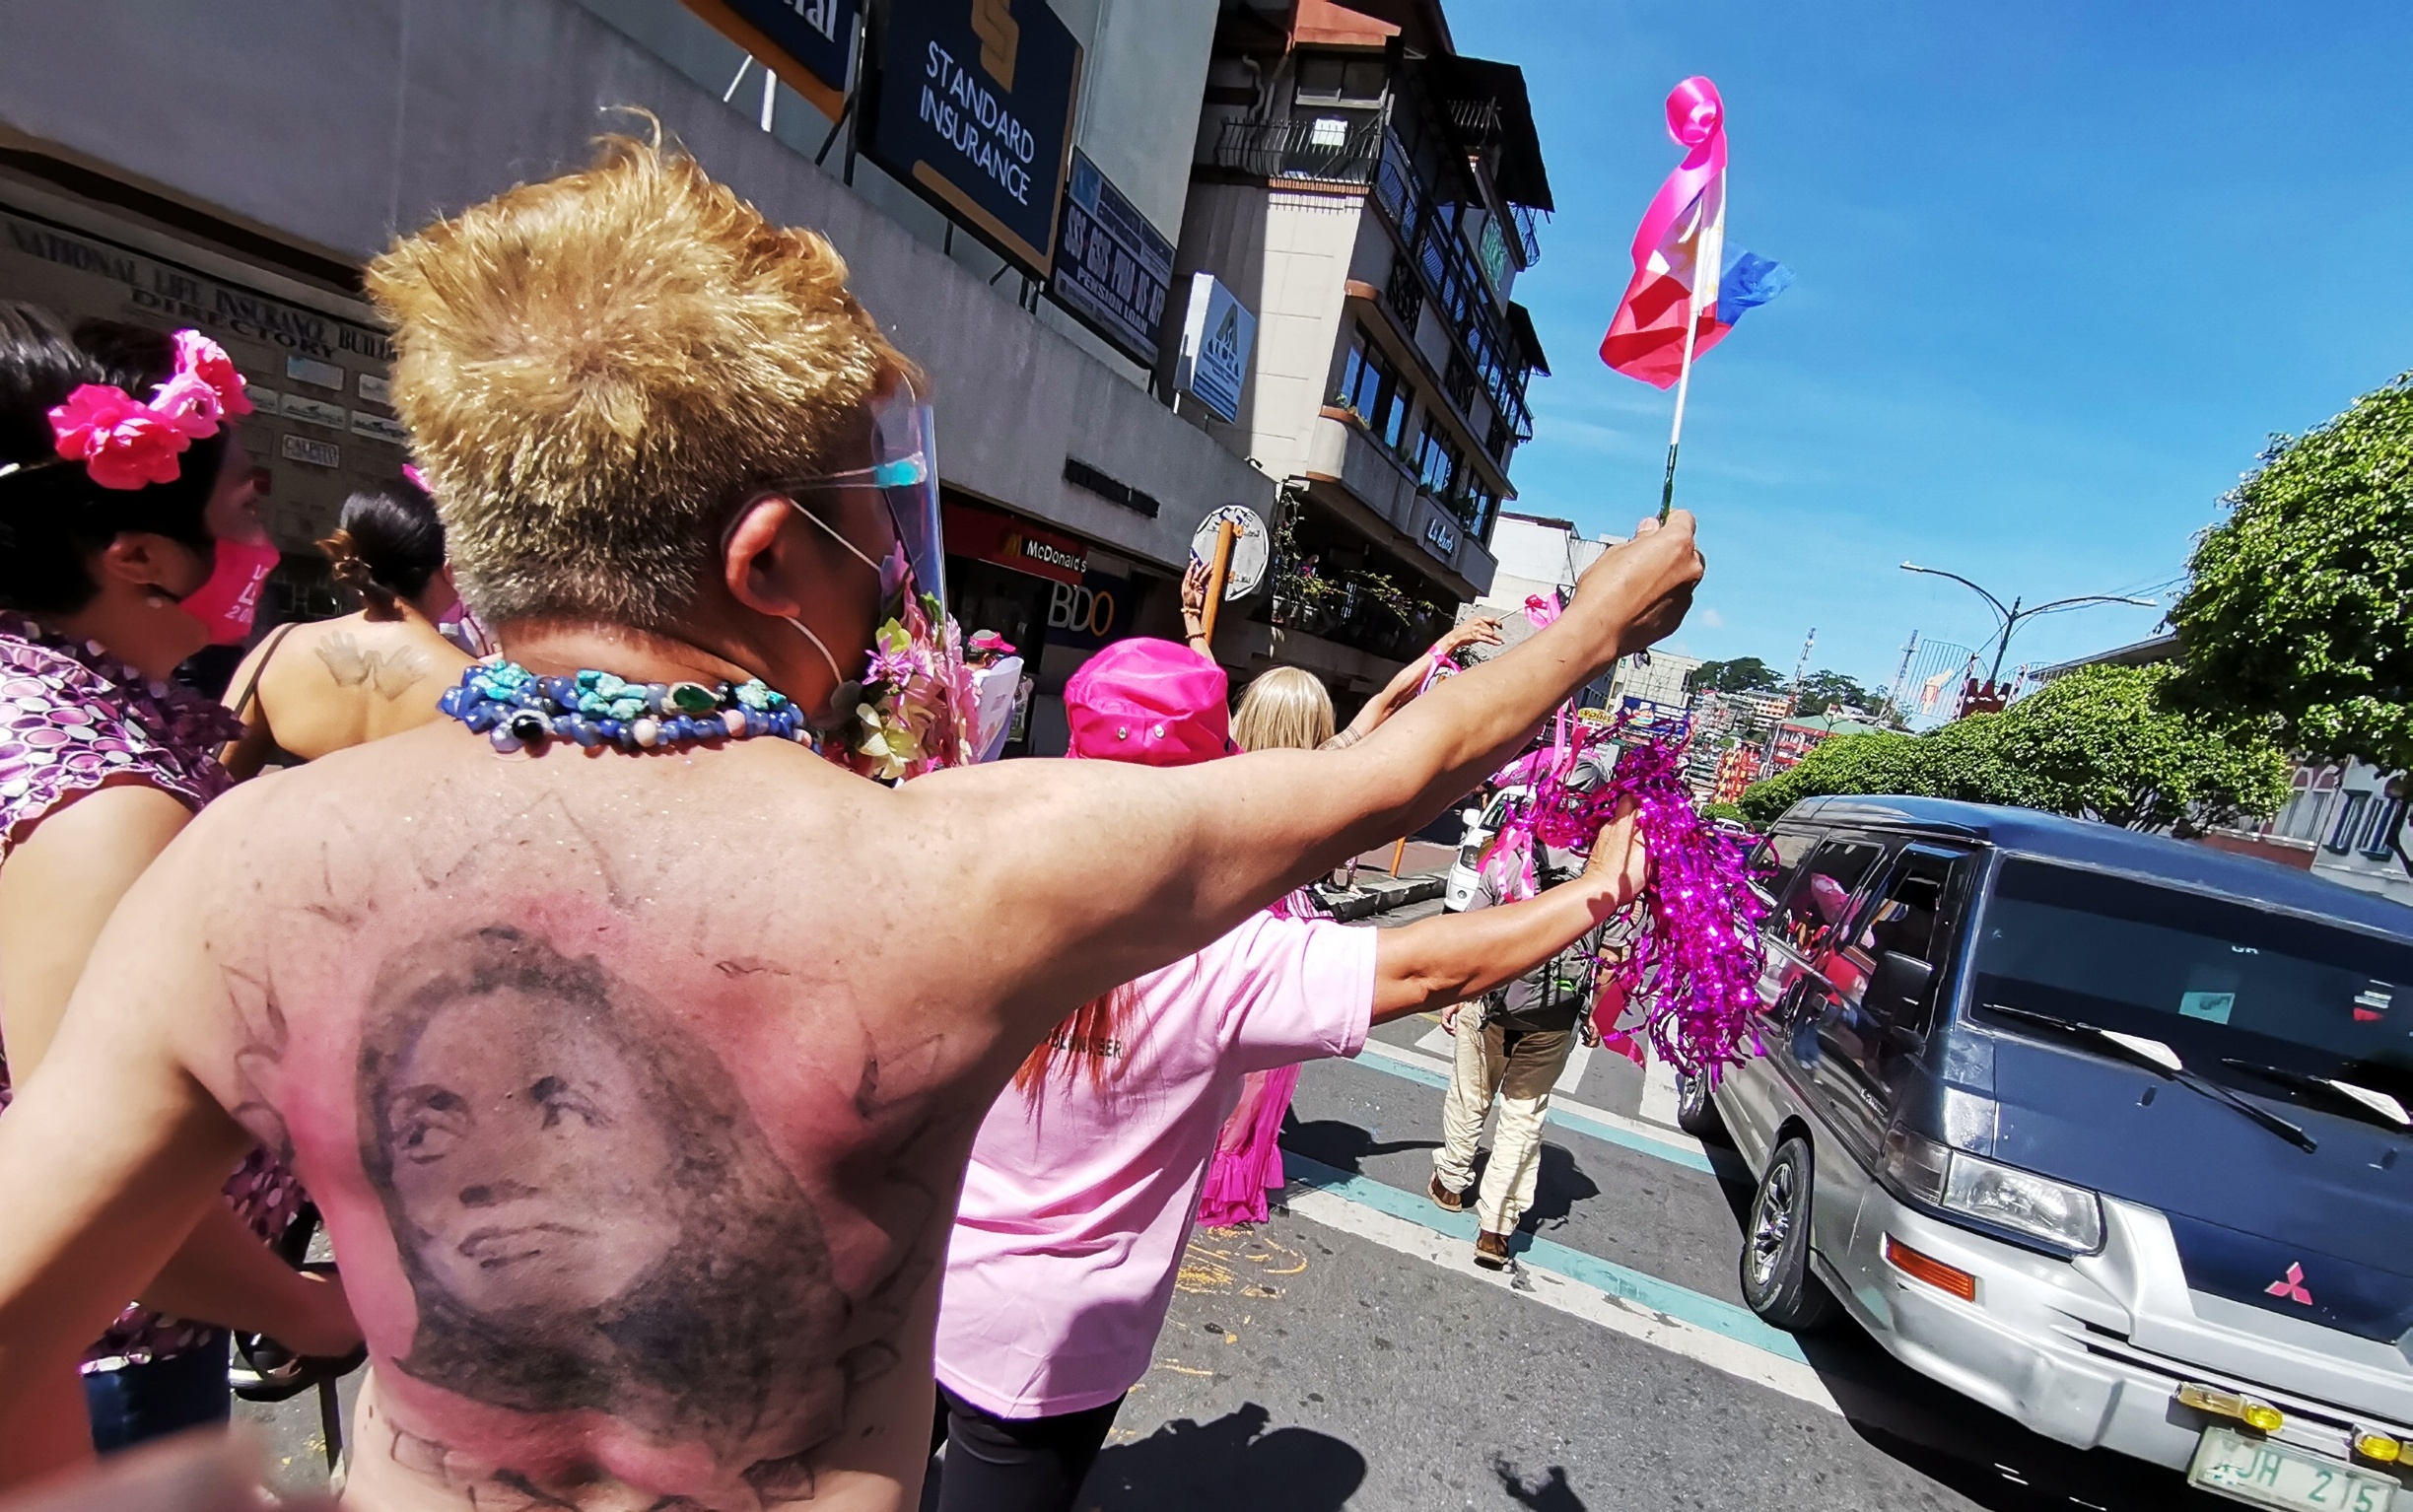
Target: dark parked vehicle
x=2105, y=1131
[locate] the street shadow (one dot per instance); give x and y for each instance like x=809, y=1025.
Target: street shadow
x=1342, y=1144
x=1231, y=1462
x=1550, y=1493
x=1560, y=1184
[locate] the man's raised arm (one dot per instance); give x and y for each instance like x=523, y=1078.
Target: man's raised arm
x=1117, y=870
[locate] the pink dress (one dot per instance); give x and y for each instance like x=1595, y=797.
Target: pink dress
x=1248, y=1161
x=72, y=719
x=1078, y=1202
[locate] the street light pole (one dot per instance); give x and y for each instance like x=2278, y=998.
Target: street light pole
x=2012, y=617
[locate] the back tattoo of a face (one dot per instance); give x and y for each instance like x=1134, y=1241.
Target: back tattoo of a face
x=588, y=1216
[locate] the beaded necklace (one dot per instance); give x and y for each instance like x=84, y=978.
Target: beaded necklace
x=513, y=708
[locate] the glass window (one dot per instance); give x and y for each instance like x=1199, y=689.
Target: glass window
x=1903, y=921
x=1437, y=458
x=2379, y=836
x=2349, y=825
x=1370, y=388
x=2214, y=979
x=1476, y=507
x=1780, y=855
x=1820, y=896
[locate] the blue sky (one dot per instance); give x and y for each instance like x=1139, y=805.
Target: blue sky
x=2063, y=267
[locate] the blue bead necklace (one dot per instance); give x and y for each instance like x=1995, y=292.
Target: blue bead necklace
x=513, y=708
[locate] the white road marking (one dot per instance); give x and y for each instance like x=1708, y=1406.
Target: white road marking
x=1659, y=1093
x=1732, y=1356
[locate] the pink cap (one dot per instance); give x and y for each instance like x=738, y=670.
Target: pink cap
x=1158, y=703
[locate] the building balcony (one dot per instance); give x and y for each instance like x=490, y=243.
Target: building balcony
x=1320, y=149
x=1376, y=492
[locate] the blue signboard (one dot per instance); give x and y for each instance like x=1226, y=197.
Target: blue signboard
x=970, y=105
x=1113, y=270
x=807, y=42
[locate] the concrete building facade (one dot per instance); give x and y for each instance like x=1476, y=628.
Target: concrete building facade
x=1072, y=489
x=1372, y=196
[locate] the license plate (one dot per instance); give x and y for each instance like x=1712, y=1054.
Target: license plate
x=2272, y=1474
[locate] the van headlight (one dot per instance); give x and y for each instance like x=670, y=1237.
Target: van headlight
x=2069, y=1218
x=2059, y=1215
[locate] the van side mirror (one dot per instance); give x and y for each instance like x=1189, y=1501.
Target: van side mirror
x=1896, y=990
x=1470, y=817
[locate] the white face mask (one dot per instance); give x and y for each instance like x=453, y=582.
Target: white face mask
x=916, y=706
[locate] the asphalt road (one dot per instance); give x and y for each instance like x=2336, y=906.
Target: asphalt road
x=1349, y=1354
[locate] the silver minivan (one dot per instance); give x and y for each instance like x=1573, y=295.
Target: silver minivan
x=2105, y=1131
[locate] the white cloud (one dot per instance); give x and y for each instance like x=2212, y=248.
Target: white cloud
x=1707, y=618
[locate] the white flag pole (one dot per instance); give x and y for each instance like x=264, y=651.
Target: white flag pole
x=1684, y=386
x=1709, y=239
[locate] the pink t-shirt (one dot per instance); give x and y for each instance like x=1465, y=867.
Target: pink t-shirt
x=1079, y=1203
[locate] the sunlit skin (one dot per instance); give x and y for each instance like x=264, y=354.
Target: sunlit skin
x=858, y=969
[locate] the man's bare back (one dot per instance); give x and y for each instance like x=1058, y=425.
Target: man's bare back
x=635, y=1100
x=636, y=1085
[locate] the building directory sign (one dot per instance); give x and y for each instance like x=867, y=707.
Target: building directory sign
x=808, y=43
x=1217, y=334
x=1113, y=270
x=971, y=105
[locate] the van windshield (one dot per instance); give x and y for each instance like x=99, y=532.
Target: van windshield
x=2213, y=980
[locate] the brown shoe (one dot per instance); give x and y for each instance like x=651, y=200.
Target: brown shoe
x=1446, y=1200
x=1491, y=1251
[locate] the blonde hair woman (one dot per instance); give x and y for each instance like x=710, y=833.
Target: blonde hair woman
x=1288, y=709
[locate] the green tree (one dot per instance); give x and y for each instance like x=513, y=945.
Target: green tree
x=1823, y=690
x=2105, y=744
x=2101, y=743
x=2300, y=604
x=1958, y=761
x=1744, y=674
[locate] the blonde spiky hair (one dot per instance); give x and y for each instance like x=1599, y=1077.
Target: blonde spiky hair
x=594, y=370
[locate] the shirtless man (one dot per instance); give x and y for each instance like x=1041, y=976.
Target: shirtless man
x=636, y=1085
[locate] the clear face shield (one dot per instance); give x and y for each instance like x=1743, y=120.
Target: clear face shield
x=909, y=711
x=904, y=472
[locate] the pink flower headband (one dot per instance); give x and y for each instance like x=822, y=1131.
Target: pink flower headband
x=127, y=443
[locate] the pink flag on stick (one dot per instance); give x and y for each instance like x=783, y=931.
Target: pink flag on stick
x=1677, y=250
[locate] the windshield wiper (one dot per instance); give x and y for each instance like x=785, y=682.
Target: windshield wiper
x=2159, y=1058
x=2378, y=1107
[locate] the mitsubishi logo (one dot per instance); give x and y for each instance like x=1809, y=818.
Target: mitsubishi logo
x=2290, y=1285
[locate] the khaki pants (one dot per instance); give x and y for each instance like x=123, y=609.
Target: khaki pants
x=1521, y=1075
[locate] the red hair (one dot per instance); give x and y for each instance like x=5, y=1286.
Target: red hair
x=1091, y=1033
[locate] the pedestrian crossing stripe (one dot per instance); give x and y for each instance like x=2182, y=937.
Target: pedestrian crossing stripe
x=1656, y=1312
x=1628, y=1133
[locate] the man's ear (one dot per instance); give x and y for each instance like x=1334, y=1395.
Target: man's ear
x=147, y=561
x=757, y=565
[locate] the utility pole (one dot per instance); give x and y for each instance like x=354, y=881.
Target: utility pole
x=1801, y=669
x=2009, y=618
x=1901, y=674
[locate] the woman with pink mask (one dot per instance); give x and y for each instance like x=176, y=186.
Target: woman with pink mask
x=1084, y=1184
x=127, y=543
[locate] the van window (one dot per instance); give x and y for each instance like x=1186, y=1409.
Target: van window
x=1820, y=894
x=1904, y=918
x=2219, y=981
x=1780, y=855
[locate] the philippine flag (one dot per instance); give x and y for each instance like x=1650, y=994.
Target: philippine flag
x=1681, y=274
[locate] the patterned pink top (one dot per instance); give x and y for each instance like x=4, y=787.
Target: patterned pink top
x=72, y=719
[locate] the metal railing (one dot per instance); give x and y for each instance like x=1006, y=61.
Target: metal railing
x=1528, y=225
x=1302, y=147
